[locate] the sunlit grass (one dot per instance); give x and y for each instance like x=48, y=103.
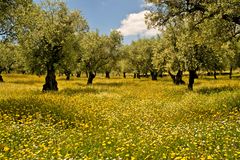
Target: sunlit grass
x=119, y=119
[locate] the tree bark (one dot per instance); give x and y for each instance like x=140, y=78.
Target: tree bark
x=91, y=76
x=50, y=80
x=154, y=75
x=68, y=74
x=192, y=76
x=160, y=74
x=78, y=74
x=86, y=74
x=230, y=73
x=173, y=77
x=215, y=74
x=135, y=75
x=124, y=74
x=1, y=79
x=177, y=79
x=68, y=77
x=107, y=74
x=138, y=75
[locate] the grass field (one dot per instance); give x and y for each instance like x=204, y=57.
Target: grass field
x=119, y=119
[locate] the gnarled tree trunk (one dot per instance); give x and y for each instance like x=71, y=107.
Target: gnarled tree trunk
x=230, y=73
x=215, y=74
x=124, y=74
x=91, y=76
x=138, y=75
x=78, y=74
x=154, y=75
x=177, y=79
x=173, y=77
x=160, y=74
x=50, y=80
x=1, y=79
x=68, y=74
x=192, y=76
x=107, y=74
x=135, y=75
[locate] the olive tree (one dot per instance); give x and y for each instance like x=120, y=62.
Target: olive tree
x=201, y=26
x=140, y=55
x=10, y=20
x=97, y=51
x=114, y=45
x=11, y=12
x=160, y=56
x=7, y=58
x=47, y=36
x=70, y=62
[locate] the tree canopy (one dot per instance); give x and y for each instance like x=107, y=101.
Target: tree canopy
x=98, y=50
x=50, y=37
x=197, y=31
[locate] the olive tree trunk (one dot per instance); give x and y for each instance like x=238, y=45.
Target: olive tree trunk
x=124, y=74
x=68, y=74
x=135, y=75
x=107, y=74
x=138, y=75
x=192, y=76
x=91, y=76
x=160, y=74
x=79, y=74
x=215, y=74
x=1, y=79
x=177, y=79
x=50, y=80
x=154, y=75
x=230, y=73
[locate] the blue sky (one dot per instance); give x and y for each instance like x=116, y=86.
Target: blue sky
x=125, y=15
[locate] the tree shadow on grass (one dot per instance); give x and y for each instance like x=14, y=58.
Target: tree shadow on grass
x=49, y=112
x=111, y=84
x=71, y=92
x=26, y=82
x=212, y=78
x=237, y=77
x=212, y=90
x=81, y=84
x=115, y=84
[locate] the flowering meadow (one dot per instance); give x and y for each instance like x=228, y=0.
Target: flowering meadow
x=119, y=119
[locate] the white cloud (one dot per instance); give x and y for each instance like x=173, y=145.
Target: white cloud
x=146, y=5
x=134, y=25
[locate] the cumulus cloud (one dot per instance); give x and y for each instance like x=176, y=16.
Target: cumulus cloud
x=134, y=25
x=146, y=5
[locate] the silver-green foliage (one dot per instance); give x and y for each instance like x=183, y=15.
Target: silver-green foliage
x=49, y=38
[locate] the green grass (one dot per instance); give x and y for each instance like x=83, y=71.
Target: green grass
x=119, y=119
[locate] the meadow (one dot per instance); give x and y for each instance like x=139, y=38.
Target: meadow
x=119, y=119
